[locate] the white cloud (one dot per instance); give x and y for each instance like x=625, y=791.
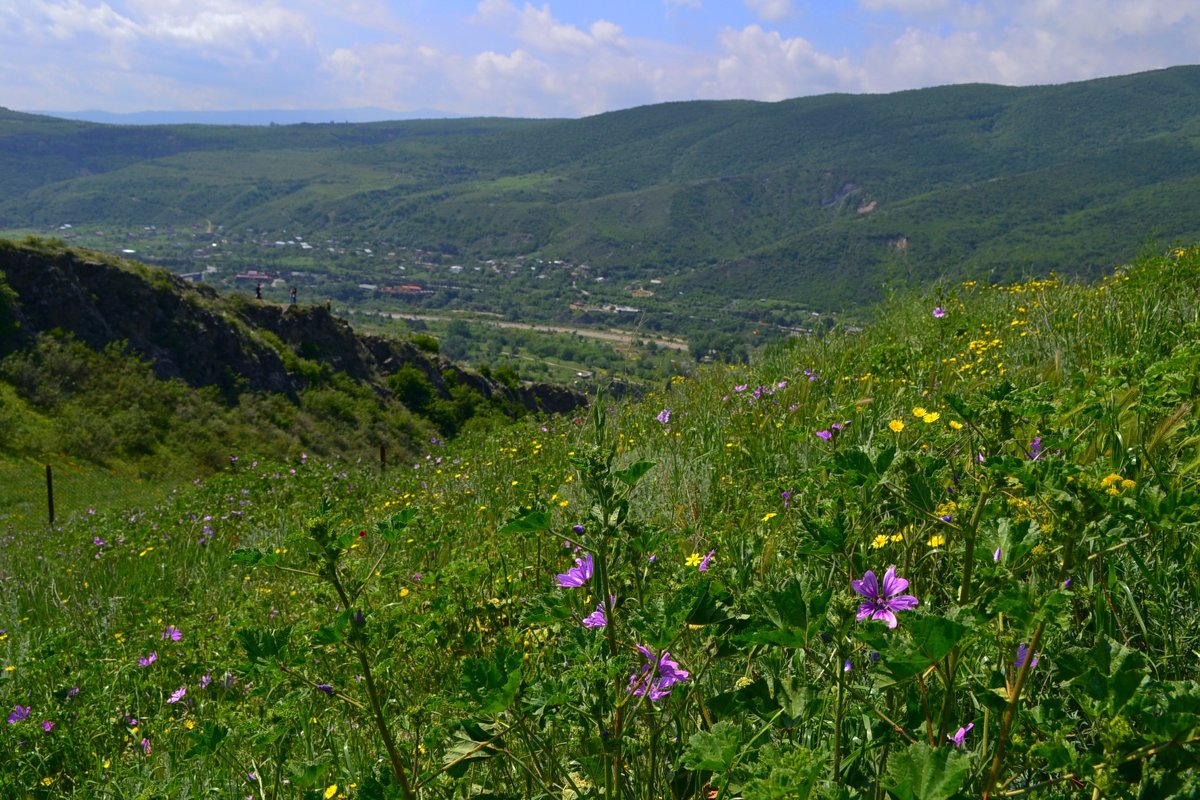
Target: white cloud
x=770, y=10
x=763, y=65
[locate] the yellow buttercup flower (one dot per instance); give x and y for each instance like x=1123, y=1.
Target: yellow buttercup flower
x=330, y=791
x=693, y=560
x=896, y=425
x=879, y=541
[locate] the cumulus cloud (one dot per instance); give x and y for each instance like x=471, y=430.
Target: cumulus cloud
x=764, y=65
x=770, y=10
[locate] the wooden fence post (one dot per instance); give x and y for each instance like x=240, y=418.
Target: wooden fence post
x=50, y=493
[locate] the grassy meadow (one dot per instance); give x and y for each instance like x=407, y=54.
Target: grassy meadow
x=952, y=555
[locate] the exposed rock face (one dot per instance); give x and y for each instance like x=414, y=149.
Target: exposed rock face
x=189, y=331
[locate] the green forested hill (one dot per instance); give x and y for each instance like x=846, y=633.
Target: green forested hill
x=822, y=200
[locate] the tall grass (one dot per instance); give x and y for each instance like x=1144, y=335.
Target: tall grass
x=1026, y=459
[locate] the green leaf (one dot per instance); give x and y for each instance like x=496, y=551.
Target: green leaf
x=207, y=740
x=715, y=750
x=926, y=773
x=528, y=522
x=252, y=556
x=391, y=528
x=493, y=682
x=264, y=645
x=333, y=633
x=931, y=638
x=633, y=473
x=470, y=743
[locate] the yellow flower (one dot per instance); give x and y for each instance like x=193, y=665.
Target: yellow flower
x=189, y=724
x=769, y=515
x=958, y=426
x=919, y=411
x=879, y=541
x=404, y=592
x=937, y=540
x=931, y=417
x=693, y=560
x=896, y=425
x=330, y=791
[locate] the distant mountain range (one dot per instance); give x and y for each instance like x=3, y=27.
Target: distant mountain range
x=825, y=201
x=248, y=117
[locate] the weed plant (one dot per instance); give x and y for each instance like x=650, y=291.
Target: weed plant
x=953, y=555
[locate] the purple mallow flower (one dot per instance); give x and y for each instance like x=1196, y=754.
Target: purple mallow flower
x=959, y=735
x=657, y=675
x=1022, y=654
x=882, y=603
x=172, y=633
x=826, y=435
x=148, y=660
x=18, y=713
x=597, y=619
x=577, y=575
x=664, y=416
x=177, y=695
x=47, y=725
x=939, y=312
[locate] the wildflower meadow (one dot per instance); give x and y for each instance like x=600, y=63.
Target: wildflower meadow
x=953, y=555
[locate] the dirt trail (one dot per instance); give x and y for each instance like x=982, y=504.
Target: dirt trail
x=622, y=337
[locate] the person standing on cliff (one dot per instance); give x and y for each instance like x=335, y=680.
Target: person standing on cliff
x=258, y=292
x=293, y=295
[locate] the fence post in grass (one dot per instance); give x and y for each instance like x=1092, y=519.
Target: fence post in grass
x=50, y=493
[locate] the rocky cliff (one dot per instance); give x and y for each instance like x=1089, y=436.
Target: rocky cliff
x=190, y=331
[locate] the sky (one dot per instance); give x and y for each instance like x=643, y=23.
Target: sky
x=561, y=58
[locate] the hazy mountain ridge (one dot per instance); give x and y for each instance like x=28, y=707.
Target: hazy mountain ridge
x=824, y=199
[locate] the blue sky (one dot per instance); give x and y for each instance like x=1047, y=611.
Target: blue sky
x=557, y=58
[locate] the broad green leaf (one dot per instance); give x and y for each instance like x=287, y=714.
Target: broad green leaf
x=493, y=682
x=926, y=773
x=528, y=522
x=714, y=750
x=633, y=473
x=264, y=645
x=252, y=556
x=207, y=740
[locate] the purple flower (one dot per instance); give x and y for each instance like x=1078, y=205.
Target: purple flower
x=205, y=680
x=177, y=695
x=826, y=435
x=664, y=416
x=148, y=660
x=883, y=603
x=1035, y=448
x=705, y=561
x=326, y=688
x=596, y=619
x=577, y=575
x=644, y=682
x=172, y=633
x=18, y=713
x=1022, y=654
x=741, y=387
x=996, y=555
x=47, y=725
x=960, y=734
x=939, y=312
x=577, y=528
x=847, y=666
x=145, y=745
